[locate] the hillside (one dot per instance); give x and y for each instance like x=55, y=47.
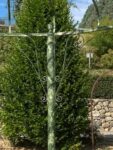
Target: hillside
x=90, y=17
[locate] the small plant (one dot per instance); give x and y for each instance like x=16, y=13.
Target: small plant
x=75, y=147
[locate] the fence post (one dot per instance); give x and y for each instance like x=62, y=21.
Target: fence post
x=51, y=87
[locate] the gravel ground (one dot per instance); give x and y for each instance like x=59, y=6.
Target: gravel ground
x=103, y=144
x=6, y=145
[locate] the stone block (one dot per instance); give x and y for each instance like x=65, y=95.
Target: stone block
x=109, y=119
x=96, y=114
x=96, y=118
x=100, y=103
x=102, y=116
x=111, y=123
x=105, y=103
x=106, y=109
x=102, y=111
x=103, y=120
x=111, y=105
x=101, y=130
x=96, y=100
x=111, y=109
x=108, y=114
x=105, y=125
x=111, y=129
x=95, y=103
x=111, y=114
x=98, y=107
x=98, y=123
x=106, y=129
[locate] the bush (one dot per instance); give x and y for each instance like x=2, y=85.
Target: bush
x=24, y=114
x=107, y=60
x=103, y=88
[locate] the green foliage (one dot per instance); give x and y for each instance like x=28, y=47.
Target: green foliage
x=18, y=4
x=5, y=45
x=103, y=41
x=23, y=112
x=103, y=88
x=75, y=146
x=107, y=60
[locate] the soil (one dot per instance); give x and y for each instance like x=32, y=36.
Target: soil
x=6, y=145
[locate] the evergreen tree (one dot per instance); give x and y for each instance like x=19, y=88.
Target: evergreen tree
x=24, y=111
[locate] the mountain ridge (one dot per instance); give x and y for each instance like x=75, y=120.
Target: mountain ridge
x=105, y=9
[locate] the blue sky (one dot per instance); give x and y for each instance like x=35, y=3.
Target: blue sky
x=3, y=9
x=77, y=13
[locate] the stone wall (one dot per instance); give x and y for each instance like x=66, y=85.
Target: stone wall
x=102, y=114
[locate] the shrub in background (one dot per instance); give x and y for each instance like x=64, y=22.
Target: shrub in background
x=107, y=60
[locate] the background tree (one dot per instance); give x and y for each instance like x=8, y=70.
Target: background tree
x=24, y=112
x=101, y=43
x=103, y=40
x=17, y=4
x=106, y=60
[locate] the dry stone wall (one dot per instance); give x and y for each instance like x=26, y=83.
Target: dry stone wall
x=102, y=114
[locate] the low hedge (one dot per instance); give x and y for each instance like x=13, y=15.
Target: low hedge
x=103, y=87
